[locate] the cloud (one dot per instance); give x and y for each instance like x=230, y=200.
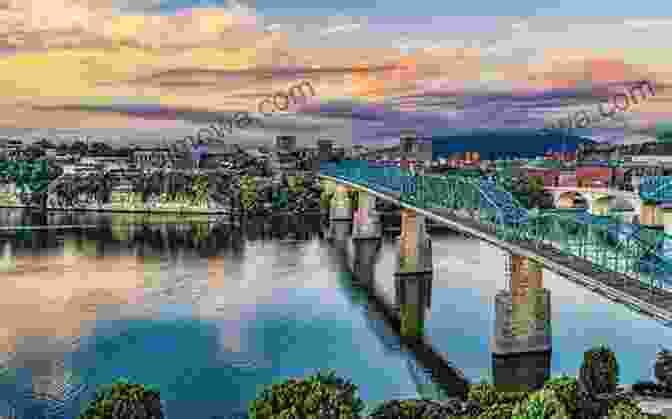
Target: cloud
x=643, y=24
x=341, y=28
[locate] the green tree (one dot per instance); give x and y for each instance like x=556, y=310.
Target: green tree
x=535, y=190
x=248, y=193
x=280, y=199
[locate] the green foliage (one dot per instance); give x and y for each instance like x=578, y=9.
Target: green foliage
x=499, y=411
x=280, y=199
x=295, y=184
x=483, y=393
x=124, y=399
x=542, y=404
x=314, y=397
x=626, y=409
x=512, y=397
x=411, y=409
x=325, y=199
x=564, y=388
x=486, y=395
x=33, y=175
x=200, y=191
x=407, y=409
x=536, y=409
x=535, y=184
x=248, y=193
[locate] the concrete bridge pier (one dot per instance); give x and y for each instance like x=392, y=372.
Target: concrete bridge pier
x=328, y=188
x=522, y=312
x=340, y=214
x=652, y=214
x=365, y=258
x=366, y=220
x=647, y=213
x=415, y=246
x=413, y=295
x=340, y=206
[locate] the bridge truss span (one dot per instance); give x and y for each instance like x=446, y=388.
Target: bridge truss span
x=624, y=262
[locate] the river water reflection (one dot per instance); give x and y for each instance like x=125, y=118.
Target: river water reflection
x=209, y=314
x=212, y=312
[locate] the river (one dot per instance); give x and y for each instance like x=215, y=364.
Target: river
x=212, y=315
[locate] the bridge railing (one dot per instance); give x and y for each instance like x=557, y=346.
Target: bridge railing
x=656, y=188
x=612, y=246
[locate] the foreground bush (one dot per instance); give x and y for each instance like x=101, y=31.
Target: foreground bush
x=485, y=394
x=123, y=400
x=565, y=389
x=315, y=397
x=626, y=409
x=498, y=411
x=426, y=409
x=542, y=404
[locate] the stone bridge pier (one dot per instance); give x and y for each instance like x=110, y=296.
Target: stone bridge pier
x=413, y=296
x=415, y=246
x=413, y=278
x=340, y=214
x=523, y=311
x=366, y=220
x=367, y=232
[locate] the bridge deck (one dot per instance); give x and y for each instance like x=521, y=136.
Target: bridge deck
x=615, y=286
x=661, y=299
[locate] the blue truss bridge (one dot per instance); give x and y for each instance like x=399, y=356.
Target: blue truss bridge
x=627, y=263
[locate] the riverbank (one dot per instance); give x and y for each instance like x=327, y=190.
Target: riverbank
x=248, y=195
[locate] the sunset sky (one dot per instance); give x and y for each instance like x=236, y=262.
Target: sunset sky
x=142, y=70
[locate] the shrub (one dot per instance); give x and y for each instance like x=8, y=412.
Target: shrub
x=498, y=411
x=483, y=393
x=452, y=408
x=123, y=400
x=409, y=409
x=564, y=388
x=543, y=404
x=625, y=409
x=315, y=397
x=512, y=397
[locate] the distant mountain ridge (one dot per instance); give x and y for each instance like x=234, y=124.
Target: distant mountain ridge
x=523, y=144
